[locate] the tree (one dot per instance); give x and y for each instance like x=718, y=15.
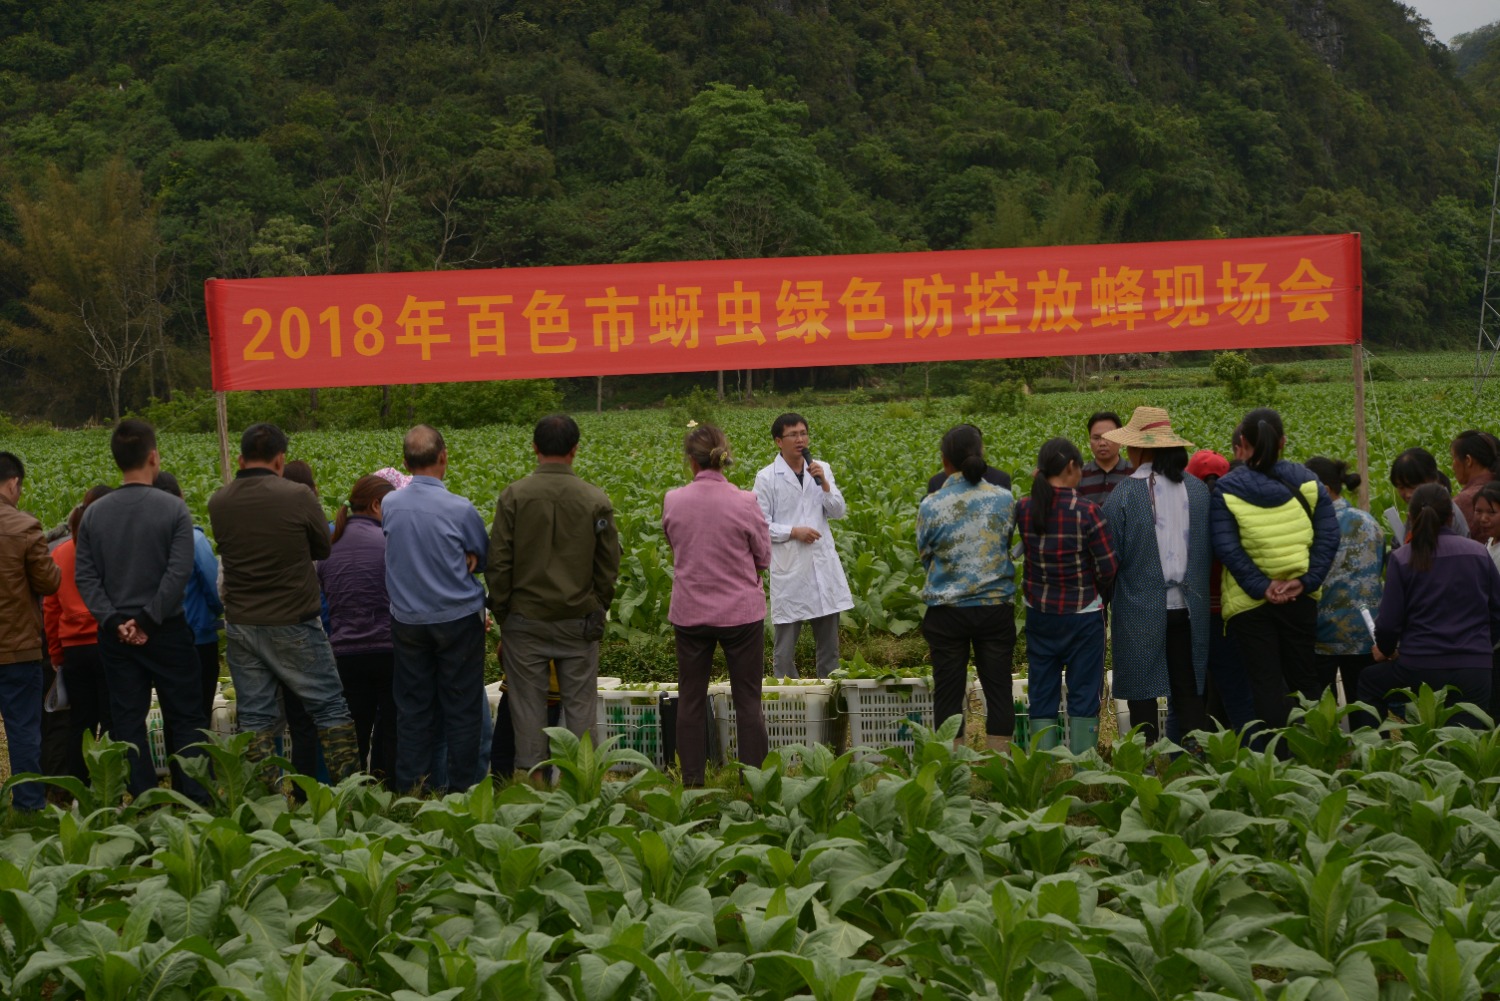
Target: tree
x=91, y=255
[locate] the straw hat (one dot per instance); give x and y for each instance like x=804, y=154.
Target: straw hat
x=1149, y=427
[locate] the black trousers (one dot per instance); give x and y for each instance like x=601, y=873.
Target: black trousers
x=1378, y=681
x=989, y=631
x=208, y=666
x=745, y=652
x=88, y=695
x=304, y=733
x=1275, y=645
x=1186, y=703
x=168, y=663
x=368, y=680
x=57, y=729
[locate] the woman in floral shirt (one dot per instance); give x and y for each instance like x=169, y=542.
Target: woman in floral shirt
x=1344, y=644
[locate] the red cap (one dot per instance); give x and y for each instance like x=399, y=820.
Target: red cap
x=1206, y=462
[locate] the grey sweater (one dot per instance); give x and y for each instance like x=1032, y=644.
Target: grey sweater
x=135, y=555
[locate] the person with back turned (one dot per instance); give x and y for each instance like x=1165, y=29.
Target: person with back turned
x=434, y=543
x=271, y=532
x=554, y=560
x=27, y=573
x=134, y=558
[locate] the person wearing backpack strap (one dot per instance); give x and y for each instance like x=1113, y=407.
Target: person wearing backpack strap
x=1275, y=530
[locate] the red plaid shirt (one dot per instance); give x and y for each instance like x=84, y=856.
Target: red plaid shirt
x=1070, y=566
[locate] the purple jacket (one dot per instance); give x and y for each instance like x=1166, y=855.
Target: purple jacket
x=353, y=581
x=1447, y=616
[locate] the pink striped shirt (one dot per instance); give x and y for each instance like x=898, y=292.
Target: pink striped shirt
x=720, y=543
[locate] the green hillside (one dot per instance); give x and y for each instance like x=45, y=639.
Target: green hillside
x=149, y=144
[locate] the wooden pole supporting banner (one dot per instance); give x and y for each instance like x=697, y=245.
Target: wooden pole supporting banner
x=1361, y=442
x=223, y=419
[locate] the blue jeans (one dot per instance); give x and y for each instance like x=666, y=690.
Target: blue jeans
x=439, y=664
x=21, y=706
x=167, y=662
x=297, y=656
x=1074, y=643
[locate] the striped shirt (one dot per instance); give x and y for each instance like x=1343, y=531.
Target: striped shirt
x=1096, y=483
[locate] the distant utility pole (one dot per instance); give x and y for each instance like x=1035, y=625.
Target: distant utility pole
x=1488, y=345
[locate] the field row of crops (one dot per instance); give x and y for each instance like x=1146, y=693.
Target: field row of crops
x=1361, y=868
x=883, y=456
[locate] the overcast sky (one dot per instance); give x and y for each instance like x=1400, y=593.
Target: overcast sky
x=1454, y=17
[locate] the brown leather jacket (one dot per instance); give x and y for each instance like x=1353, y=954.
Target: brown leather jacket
x=27, y=574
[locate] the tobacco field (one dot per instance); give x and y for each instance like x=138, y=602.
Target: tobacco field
x=882, y=456
x=1357, y=868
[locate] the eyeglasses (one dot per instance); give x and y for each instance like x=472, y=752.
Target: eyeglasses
x=795, y=434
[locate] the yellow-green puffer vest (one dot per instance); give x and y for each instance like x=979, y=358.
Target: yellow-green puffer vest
x=1261, y=533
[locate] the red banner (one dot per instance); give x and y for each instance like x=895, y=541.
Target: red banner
x=524, y=323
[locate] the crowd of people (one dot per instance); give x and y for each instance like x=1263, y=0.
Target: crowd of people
x=1229, y=586
x=1225, y=585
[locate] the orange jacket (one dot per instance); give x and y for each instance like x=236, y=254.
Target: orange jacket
x=68, y=620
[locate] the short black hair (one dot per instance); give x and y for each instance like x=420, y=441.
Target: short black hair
x=555, y=435
x=166, y=481
x=1103, y=415
x=11, y=467
x=787, y=420
x=422, y=446
x=262, y=442
x=131, y=444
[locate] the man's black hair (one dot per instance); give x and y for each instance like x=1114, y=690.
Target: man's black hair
x=556, y=435
x=1103, y=415
x=787, y=420
x=11, y=467
x=131, y=444
x=262, y=442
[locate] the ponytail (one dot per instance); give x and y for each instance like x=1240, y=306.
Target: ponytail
x=1333, y=474
x=367, y=492
x=963, y=448
x=340, y=521
x=1429, y=512
x=1053, y=460
x=1262, y=430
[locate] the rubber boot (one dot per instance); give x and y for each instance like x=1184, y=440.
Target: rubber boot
x=1083, y=734
x=1046, y=732
x=997, y=743
x=262, y=746
x=340, y=751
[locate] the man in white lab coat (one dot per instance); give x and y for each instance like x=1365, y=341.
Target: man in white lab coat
x=799, y=497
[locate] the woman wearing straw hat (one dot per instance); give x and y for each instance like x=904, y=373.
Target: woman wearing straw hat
x=1159, y=521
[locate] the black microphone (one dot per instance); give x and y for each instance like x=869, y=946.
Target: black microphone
x=807, y=457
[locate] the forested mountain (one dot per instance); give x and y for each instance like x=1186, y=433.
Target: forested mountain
x=149, y=144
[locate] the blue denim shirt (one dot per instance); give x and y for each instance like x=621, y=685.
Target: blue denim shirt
x=427, y=531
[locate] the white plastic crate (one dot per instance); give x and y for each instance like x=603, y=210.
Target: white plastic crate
x=795, y=714
x=634, y=715
x=880, y=713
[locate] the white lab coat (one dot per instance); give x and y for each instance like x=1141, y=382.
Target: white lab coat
x=807, y=581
